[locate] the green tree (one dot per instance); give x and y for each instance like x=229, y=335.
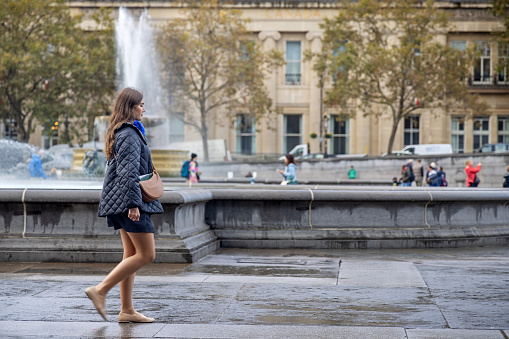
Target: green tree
x=500, y=9
x=214, y=66
x=51, y=69
x=384, y=58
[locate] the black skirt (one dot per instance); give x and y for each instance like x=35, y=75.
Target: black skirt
x=119, y=221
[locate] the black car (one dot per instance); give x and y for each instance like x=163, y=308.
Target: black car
x=494, y=148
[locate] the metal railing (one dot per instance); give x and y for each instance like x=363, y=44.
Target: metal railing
x=255, y=157
x=488, y=81
x=293, y=79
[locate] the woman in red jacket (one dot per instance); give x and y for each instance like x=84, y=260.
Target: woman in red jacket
x=471, y=171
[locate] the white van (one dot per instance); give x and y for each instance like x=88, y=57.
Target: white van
x=425, y=149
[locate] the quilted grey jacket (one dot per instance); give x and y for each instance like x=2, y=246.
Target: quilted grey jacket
x=121, y=188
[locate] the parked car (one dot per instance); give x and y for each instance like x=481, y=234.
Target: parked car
x=424, y=149
x=494, y=148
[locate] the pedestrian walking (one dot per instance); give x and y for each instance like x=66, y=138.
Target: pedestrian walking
x=121, y=203
x=506, y=178
x=473, y=179
x=405, y=176
x=290, y=172
x=194, y=176
x=418, y=172
x=409, y=165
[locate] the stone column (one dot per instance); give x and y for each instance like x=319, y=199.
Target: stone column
x=267, y=141
x=314, y=124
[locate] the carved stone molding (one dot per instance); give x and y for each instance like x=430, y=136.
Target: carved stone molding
x=473, y=14
x=275, y=35
x=311, y=35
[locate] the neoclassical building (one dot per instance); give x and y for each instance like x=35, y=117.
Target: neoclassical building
x=292, y=27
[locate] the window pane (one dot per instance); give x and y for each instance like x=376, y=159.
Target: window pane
x=486, y=69
x=292, y=123
x=293, y=51
x=459, y=45
x=411, y=130
x=293, y=63
x=340, y=145
x=340, y=130
x=291, y=142
x=246, y=144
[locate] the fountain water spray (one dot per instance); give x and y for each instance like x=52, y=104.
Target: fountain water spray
x=137, y=60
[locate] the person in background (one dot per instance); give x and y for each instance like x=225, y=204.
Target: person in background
x=194, y=177
x=443, y=180
x=471, y=172
x=410, y=165
x=405, y=176
x=35, y=166
x=290, y=172
x=352, y=173
x=395, y=181
x=506, y=178
x=418, y=172
x=431, y=175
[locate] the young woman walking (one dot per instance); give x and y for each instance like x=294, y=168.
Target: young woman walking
x=121, y=203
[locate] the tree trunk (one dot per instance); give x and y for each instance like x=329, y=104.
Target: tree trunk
x=23, y=133
x=393, y=135
x=204, y=138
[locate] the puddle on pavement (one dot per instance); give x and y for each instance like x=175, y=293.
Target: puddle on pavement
x=99, y=269
x=272, y=261
x=275, y=267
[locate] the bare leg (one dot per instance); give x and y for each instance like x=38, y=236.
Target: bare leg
x=144, y=254
x=126, y=285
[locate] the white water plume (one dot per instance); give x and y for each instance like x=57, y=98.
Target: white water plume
x=137, y=60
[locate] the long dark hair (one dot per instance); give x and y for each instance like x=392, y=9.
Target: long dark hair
x=291, y=159
x=193, y=155
x=123, y=112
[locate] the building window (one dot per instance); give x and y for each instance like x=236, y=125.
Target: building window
x=9, y=129
x=341, y=69
x=177, y=127
x=458, y=134
x=246, y=134
x=482, y=66
x=292, y=131
x=459, y=45
x=293, y=61
x=503, y=129
x=340, y=130
x=411, y=131
x=481, y=131
x=503, y=61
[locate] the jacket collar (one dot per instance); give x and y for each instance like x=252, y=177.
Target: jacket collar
x=128, y=125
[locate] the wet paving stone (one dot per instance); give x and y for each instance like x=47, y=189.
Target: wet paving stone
x=455, y=293
x=471, y=295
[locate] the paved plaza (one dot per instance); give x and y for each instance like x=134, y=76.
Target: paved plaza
x=234, y=293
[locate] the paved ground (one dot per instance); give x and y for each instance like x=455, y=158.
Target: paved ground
x=433, y=293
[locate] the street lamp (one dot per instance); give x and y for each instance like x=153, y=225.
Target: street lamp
x=325, y=119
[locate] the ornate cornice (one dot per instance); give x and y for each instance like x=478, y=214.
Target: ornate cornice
x=275, y=35
x=311, y=35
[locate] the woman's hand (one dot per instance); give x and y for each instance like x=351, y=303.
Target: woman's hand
x=134, y=214
x=282, y=172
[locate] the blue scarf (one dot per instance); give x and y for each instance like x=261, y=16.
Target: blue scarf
x=139, y=125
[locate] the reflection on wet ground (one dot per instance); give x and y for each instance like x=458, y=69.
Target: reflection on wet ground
x=87, y=269
x=237, y=293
